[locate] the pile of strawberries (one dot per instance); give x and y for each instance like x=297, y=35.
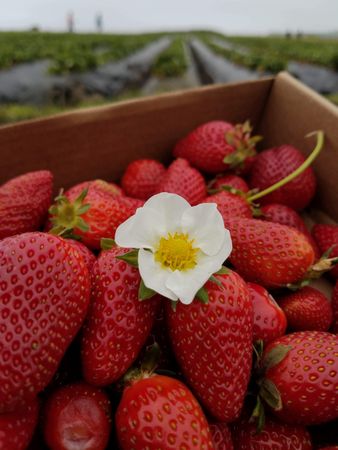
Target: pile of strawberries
x=85, y=364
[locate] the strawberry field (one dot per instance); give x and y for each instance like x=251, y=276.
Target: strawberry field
x=45, y=72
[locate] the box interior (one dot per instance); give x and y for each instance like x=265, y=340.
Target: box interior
x=100, y=142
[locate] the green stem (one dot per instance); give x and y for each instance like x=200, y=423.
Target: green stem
x=298, y=171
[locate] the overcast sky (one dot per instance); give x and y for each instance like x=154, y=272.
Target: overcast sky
x=230, y=16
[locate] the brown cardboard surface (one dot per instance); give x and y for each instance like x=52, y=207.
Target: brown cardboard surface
x=100, y=142
x=292, y=111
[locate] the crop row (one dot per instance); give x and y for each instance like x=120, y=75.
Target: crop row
x=171, y=62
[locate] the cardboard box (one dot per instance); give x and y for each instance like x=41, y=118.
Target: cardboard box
x=100, y=142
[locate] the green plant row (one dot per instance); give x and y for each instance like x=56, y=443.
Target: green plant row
x=68, y=52
x=171, y=62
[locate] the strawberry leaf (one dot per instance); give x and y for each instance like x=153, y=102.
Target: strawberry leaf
x=144, y=292
x=107, y=243
x=202, y=296
x=275, y=356
x=130, y=257
x=258, y=415
x=270, y=394
x=223, y=271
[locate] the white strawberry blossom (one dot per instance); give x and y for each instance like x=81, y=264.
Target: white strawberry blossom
x=180, y=246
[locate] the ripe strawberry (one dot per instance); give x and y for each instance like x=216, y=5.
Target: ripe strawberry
x=284, y=215
x=326, y=236
x=269, y=318
x=17, y=428
x=230, y=181
x=217, y=146
x=275, y=435
x=307, y=309
x=24, y=202
x=221, y=436
x=43, y=301
x=271, y=166
x=183, y=180
x=87, y=255
x=212, y=341
x=93, y=215
x=77, y=416
x=142, y=177
x=118, y=324
x=334, y=305
x=269, y=253
x=230, y=205
x=331, y=447
x=160, y=412
x=306, y=378
x=100, y=186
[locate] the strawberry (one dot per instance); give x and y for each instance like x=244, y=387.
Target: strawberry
x=275, y=435
x=77, y=416
x=217, y=146
x=183, y=180
x=43, y=301
x=100, y=186
x=230, y=205
x=211, y=341
x=229, y=182
x=87, y=255
x=305, y=379
x=334, y=305
x=307, y=309
x=268, y=253
x=326, y=236
x=141, y=178
x=269, y=318
x=271, y=166
x=91, y=215
x=160, y=412
x=24, y=202
x=221, y=436
x=331, y=447
x=17, y=428
x=284, y=215
x=118, y=324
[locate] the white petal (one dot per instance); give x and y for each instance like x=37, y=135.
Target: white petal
x=142, y=230
x=205, y=225
x=185, y=284
x=170, y=207
x=153, y=275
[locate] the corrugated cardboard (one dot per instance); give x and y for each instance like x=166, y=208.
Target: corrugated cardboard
x=100, y=142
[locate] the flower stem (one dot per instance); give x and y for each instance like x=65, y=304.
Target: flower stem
x=298, y=171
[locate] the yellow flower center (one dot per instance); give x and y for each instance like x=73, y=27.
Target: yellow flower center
x=176, y=252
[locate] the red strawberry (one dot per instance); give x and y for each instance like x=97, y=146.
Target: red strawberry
x=275, y=435
x=43, y=301
x=269, y=318
x=284, y=215
x=230, y=205
x=307, y=309
x=271, y=166
x=230, y=181
x=24, y=202
x=87, y=255
x=212, y=341
x=331, y=447
x=160, y=412
x=93, y=215
x=142, y=177
x=326, y=236
x=269, y=253
x=17, y=428
x=183, y=180
x=118, y=324
x=99, y=186
x=334, y=305
x=306, y=378
x=221, y=436
x=77, y=416
x=217, y=146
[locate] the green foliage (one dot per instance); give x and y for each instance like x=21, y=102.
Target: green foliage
x=68, y=52
x=171, y=62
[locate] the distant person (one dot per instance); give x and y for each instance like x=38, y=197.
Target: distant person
x=99, y=22
x=70, y=22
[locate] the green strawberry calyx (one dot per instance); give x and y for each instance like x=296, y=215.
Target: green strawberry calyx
x=66, y=216
x=244, y=144
x=147, y=367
